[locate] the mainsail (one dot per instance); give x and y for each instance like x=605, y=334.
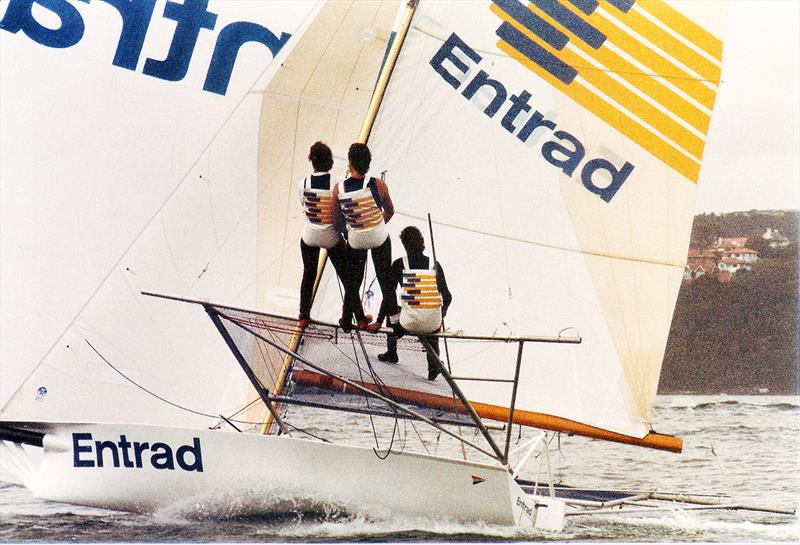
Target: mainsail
x=556, y=146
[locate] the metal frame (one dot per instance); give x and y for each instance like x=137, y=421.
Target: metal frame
x=290, y=354
x=497, y=455
x=263, y=393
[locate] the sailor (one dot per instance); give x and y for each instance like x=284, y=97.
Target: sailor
x=367, y=207
x=322, y=229
x=425, y=297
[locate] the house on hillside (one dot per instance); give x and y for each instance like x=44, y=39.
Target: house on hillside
x=724, y=259
x=745, y=255
x=731, y=266
x=691, y=273
x=775, y=238
x=730, y=243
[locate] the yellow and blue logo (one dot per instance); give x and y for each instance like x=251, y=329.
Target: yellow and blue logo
x=642, y=67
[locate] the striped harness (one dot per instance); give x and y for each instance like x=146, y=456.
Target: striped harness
x=363, y=218
x=421, y=302
x=318, y=205
x=319, y=208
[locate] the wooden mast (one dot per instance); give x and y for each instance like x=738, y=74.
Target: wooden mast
x=366, y=128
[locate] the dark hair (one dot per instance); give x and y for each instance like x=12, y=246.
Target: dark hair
x=412, y=240
x=321, y=157
x=360, y=157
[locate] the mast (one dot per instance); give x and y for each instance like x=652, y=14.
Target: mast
x=372, y=112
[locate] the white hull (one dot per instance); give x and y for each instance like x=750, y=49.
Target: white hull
x=238, y=472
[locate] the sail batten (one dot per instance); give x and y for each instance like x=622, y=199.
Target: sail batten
x=584, y=251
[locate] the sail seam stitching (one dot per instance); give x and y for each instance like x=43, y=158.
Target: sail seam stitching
x=551, y=246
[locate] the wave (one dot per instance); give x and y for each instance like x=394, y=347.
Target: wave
x=780, y=403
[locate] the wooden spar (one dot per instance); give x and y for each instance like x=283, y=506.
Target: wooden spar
x=368, y=391
x=386, y=72
x=262, y=392
x=294, y=342
x=494, y=412
x=366, y=128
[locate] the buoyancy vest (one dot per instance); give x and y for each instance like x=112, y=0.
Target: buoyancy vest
x=420, y=300
x=319, y=208
x=363, y=217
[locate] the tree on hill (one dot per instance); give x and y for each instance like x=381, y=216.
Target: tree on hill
x=741, y=336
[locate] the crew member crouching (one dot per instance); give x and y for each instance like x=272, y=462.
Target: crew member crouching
x=425, y=297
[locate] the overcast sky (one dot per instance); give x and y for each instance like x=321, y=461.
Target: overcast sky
x=751, y=159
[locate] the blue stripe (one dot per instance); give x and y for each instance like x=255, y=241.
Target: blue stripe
x=578, y=26
x=622, y=5
x=536, y=53
x=586, y=6
x=534, y=23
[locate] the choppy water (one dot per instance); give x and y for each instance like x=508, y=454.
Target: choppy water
x=744, y=446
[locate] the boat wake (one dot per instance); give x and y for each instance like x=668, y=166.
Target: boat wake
x=271, y=520
x=683, y=526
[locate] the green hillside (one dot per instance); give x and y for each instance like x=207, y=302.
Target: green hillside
x=740, y=337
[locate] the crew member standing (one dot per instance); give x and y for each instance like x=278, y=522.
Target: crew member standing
x=322, y=229
x=425, y=296
x=367, y=207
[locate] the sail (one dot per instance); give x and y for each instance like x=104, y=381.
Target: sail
x=212, y=142
x=557, y=147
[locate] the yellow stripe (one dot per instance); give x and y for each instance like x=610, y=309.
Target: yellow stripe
x=642, y=109
x=684, y=26
x=611, y=115
x=368, y=214
x=672, y=46
x=662, y=67
x=360, y=200
x=627, y=98
x=367, y=225
x=644, y=82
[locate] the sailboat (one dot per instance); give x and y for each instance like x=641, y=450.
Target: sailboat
x=551, y=151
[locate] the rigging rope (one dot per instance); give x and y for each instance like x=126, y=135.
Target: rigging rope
x=187, y=409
